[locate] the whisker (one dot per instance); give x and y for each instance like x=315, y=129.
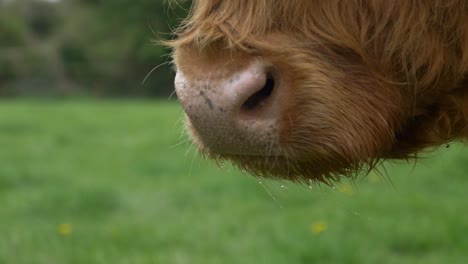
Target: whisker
x=152, y=70
x=268, y=191
x=180, y=143
x=172, y=94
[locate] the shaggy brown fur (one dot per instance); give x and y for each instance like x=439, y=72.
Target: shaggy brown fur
x=368, y=79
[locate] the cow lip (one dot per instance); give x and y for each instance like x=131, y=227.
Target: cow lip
x=248, y=153
x=257, y=153
x=237, y=142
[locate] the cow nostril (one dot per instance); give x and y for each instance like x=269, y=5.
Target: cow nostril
x=258, y=99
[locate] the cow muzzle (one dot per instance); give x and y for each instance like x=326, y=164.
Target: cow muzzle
x=237, y=114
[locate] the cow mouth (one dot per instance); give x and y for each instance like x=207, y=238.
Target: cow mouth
x=237, y=144
x=279, y=167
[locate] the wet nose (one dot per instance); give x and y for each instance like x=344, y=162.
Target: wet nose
x=231, y=114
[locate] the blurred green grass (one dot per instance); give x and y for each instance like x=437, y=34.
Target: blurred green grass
x=114, y=182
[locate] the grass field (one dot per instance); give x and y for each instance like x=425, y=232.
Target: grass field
x=109, y=182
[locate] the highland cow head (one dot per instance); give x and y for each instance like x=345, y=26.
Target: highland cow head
x=312, y=90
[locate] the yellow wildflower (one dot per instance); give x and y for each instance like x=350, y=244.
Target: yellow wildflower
x=319, y=227
x=347, y=189
x=64, y=229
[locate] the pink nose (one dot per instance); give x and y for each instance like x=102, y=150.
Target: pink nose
x=236, y=114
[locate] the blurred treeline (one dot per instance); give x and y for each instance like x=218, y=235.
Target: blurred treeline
x=101, y=48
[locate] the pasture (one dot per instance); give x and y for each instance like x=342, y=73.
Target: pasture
x=115, y=182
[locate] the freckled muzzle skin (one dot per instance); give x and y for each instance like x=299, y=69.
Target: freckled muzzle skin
x=218, y=121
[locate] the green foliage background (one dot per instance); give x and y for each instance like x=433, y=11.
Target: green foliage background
x=95, y=48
